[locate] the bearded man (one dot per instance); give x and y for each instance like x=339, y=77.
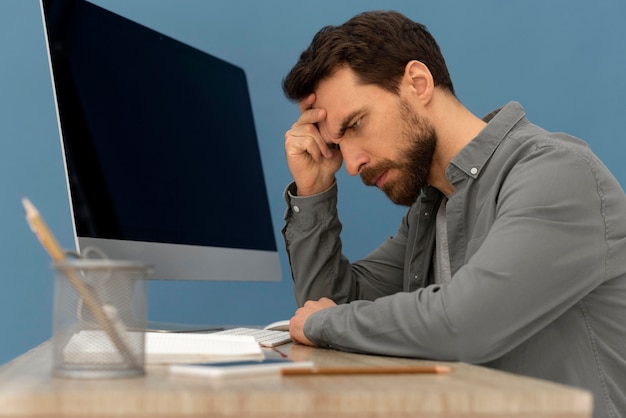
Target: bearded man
x=512, y=253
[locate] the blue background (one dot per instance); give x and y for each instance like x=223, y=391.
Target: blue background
x=564, y=60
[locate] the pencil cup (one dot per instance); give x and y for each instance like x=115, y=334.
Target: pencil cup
x=99, y=320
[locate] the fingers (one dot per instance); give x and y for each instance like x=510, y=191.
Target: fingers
x=296, y=328
x=312, y=306
x=312, y=162
x=296, y=324
x=326, y=302
x=307, y=103
x=311, y=116
x=306, y=132
x=305, y=138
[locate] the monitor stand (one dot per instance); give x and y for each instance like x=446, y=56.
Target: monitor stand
x=157, y=326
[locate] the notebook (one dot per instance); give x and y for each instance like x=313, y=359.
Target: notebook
x=162, y=348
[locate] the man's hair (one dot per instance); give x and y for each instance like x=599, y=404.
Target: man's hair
x=376, y=45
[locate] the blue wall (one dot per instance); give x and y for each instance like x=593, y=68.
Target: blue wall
x=564, y=60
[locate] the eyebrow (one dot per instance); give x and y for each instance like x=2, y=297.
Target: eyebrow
x=345, y=123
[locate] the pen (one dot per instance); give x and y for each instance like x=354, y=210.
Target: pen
x=437, y=369
x=280, y=353
x=51, y=245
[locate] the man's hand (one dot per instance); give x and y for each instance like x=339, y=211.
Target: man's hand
x=296, y=324
x=312, y=162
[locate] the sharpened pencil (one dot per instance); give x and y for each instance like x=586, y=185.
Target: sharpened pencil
x=437, y=369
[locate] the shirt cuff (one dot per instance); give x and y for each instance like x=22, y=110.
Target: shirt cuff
x=310, y=208
x=314, y=328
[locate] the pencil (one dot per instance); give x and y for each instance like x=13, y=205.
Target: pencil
x=437, y=369
x=51, y=245
x=42, y=232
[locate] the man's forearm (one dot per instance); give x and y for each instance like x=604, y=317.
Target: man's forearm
x=311, y=235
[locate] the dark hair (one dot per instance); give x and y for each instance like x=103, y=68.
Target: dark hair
x=376, y=45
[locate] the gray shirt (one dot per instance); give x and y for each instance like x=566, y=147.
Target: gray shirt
x=537, y=246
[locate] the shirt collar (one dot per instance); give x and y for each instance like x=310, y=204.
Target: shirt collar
x=474, y=156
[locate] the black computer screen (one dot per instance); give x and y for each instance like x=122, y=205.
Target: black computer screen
x=159, y=137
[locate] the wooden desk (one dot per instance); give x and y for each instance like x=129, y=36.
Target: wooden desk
x=27, y=389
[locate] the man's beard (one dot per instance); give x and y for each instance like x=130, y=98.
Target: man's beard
x=421, y=141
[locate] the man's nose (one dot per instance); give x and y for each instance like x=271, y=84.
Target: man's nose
x=353, y=157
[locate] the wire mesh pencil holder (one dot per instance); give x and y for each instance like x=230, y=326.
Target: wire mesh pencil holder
x=100, y=315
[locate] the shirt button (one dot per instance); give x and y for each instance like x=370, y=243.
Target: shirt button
x=296, y=209
x=474, y=170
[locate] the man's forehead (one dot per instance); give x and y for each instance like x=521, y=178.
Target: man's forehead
x=339, y=84
x=338, y=95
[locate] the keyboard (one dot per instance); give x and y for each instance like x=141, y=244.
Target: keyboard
x=265, y=337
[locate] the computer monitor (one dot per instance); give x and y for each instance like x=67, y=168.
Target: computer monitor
x=160, y=149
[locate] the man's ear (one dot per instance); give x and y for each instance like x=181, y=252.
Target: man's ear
x=419, y=81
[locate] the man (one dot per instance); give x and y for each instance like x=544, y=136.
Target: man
x=513, y=251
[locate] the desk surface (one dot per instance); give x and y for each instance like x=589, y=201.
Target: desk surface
x=27, y=389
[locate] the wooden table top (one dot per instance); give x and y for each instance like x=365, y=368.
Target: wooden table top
x=28, y=389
